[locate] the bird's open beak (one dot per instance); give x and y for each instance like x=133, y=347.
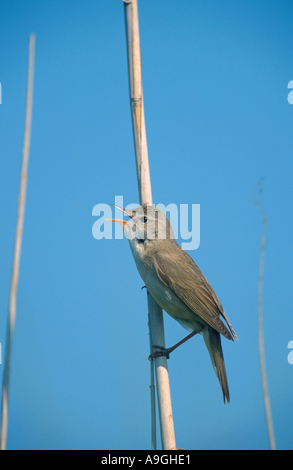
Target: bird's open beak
x=122, y=222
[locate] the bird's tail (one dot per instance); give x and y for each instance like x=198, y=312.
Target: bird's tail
x=213, y=342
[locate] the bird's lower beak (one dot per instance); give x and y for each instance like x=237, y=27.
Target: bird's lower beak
x=122, y=222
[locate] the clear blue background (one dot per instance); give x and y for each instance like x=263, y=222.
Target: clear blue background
x=215, y=78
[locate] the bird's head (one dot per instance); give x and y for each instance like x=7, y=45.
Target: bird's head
x=146, y=223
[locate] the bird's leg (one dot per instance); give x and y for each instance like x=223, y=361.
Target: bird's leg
x=167, y=351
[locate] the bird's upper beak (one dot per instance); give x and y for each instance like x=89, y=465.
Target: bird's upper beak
x=122, y=222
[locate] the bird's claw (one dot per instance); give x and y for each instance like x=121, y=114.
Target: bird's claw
x=161, y=351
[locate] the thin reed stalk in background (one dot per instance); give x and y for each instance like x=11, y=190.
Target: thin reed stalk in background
x=17, y=245
x=260, y=323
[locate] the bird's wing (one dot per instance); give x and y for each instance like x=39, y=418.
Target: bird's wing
x=179, y=272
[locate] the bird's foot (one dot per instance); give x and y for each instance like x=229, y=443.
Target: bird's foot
x=160, y=351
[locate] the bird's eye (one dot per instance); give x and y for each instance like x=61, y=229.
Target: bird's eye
x=144, y=219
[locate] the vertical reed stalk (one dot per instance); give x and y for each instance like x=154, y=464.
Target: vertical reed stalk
x=17, y=245
x=260, y=326
x=156, y=324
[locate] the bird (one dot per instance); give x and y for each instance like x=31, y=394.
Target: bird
x=177, y=284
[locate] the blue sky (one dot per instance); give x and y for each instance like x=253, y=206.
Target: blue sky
x=215, y=78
